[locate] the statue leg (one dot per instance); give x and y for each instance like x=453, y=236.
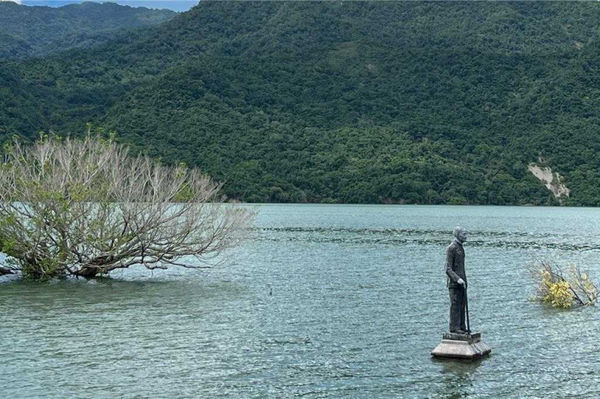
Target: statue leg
x=463, y=305
x=455, y=306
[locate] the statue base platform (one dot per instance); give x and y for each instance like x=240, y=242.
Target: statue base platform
x=461, y=346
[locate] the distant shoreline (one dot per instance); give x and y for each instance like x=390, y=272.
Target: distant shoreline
x=558, y=206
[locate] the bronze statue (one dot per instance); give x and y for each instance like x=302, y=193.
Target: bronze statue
x=457, y=281
x=459, y=342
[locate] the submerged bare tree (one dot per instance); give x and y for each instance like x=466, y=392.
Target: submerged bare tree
x=85, y=207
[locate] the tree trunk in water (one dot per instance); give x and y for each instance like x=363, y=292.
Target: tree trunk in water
x=88, y=272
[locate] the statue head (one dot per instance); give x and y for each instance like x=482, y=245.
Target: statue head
x=460, y=234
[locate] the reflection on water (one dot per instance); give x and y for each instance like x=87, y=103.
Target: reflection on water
x=456, y=378
x=324, y=302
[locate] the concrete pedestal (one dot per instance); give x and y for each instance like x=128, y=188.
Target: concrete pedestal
x=461, y=346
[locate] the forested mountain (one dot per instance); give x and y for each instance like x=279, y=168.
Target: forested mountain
x=35, y=31
x=416, y=102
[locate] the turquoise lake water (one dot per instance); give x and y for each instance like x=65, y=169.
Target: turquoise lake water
x=324, y=301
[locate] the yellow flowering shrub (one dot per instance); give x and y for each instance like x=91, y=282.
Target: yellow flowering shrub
x=559, y=295
x=573, y=288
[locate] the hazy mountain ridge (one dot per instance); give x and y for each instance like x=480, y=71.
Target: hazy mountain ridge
x=36, y=31
x=345, y=102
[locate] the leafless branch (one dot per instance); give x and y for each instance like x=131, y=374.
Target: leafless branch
x=86, y=206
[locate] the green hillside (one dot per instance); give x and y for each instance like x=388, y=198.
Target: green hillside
x=36, y=31
x=342, y=102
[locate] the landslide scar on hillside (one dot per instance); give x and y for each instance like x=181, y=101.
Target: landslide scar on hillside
x=551, y=180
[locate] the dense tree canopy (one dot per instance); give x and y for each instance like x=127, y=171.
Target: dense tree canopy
x=413, y=102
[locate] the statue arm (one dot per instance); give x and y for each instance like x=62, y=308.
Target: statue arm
x=449, y=263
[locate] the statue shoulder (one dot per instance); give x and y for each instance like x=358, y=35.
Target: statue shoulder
x=451, y=247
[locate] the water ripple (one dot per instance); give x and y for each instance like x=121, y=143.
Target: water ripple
x=323, y=302
x=563, y=242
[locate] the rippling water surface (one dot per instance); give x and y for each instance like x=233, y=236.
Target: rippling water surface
x=323, y=302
